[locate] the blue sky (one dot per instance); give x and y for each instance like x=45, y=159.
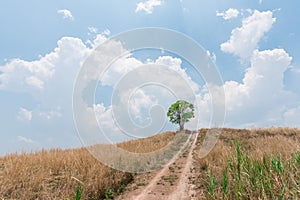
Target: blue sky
x=254, y=44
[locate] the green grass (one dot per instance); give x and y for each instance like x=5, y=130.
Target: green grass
x=269, y=177
x=78, y=194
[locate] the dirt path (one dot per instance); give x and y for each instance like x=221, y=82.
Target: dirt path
x=172, y=182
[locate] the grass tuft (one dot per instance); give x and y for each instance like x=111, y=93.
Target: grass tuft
x=251, y=164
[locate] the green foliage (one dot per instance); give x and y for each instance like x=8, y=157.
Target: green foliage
x=109, y=194
x=78, y=193
x=225, y=183
x=243, y=177
x=180, y=112
x=212, y=184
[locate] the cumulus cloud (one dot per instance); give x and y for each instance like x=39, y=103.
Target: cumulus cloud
x=127, y=63
x=21, y=75
x=228, y=14
x=244, y=40
x=49, y=81
x=99, y=39
x=24, y=115
x=147, y=6
x=34, y=82
x=261, y=96
x=141, y=101
x=135, y=105
x=66, y=14
x=31, y=76
x=26, y=140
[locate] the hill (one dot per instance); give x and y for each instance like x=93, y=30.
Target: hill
x=58, y=174
x=245, y=164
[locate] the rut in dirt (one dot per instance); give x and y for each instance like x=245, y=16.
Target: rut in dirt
x=171, y=182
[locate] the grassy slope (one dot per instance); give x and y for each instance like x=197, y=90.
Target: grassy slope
x=265, y=165
x=55, y=174
x=251, y=164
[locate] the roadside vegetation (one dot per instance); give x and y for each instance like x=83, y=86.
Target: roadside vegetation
x=251, y=164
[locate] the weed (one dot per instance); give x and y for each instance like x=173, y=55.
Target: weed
x=109, y=194
x=266, y=178
x=225, y=183
x=78, y=194
x=212, y=183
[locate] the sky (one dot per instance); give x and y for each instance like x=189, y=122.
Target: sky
x=253, y=43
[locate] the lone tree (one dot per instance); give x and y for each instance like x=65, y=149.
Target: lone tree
x=181, y=112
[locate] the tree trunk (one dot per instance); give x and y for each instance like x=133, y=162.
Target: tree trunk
x=181, y=123
x=181, y=126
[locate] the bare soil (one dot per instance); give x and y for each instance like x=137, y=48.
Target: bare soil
x=174, y=181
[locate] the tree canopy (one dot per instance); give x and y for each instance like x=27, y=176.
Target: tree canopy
x=180, y=112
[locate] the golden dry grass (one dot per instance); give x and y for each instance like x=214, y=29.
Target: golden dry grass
x=255, y=145
x=55, y=174
x=142, y=145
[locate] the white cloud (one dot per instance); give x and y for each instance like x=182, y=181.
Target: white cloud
x=26, y=140
x=50, y=114
x=118, y=69
x=49, y=80
x=92, y=29
x=126, y=64
x=106, y=32
x=262, y=91
x=175, y=64
x=228, y=14
x=244, y=40
x=35, y=82
x=66, y=14
x=25, y=76
x=212, y=56
x=142, y=103
x=292, y=117
x=258, y=98
x=24, y=115
x=147, y=6
x=262, y=98
x=99, y=39
x=140, y=100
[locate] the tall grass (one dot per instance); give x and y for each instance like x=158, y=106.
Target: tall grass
x=68, y=174
x=269, y=177
x=250, y=164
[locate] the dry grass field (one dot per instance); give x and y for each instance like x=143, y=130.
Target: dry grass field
x=250, y=164
x=245, y=164
x=59, y=174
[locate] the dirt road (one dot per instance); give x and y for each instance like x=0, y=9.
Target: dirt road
x=172, y=182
